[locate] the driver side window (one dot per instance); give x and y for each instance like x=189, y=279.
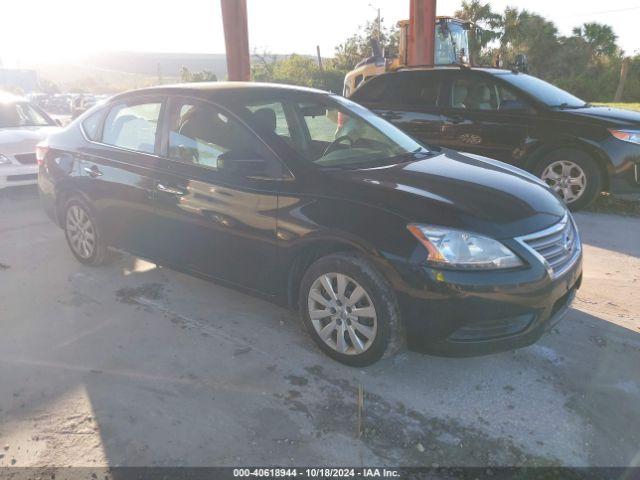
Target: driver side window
x=474, y=94
x=484, y=94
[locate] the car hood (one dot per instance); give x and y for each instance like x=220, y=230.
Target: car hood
x=615, y=116
x=461, y=191
x=22, y=140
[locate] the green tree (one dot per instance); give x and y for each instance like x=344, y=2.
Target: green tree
x=297, y=70
x=530, y=34
x=358, y=46
x=600, y=37
x=586, y=63
x=489, y=23
x=187, y=76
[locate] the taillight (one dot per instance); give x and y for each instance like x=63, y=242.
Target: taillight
x=340, y=120
x=41, y=153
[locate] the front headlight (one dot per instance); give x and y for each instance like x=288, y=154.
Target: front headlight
x=458, y=249
x=4, y=160
x=632, y=136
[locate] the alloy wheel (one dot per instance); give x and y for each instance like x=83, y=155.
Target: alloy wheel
x=567, y=179
x=342, y=313
x=81, y=232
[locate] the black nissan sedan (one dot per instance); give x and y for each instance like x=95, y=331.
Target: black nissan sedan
x=311, y=201
x=578, y=149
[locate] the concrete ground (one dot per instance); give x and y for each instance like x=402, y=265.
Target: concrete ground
x=136, y=365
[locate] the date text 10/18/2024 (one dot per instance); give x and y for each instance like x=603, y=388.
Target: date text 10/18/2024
x=316, y=472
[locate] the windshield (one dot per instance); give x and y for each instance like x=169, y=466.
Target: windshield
x=546, y=93
x=350, y=136
x=21, y=114
x=333, y=132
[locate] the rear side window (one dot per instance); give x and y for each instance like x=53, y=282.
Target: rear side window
x=91, y=124
x=420, y=89
x=373, y=90
x=413, y=89
x=132, y=127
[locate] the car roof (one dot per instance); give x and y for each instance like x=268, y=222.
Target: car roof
x=205, y=89
x=439, y=68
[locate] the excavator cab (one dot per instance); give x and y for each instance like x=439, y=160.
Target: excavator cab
x=451, y=48
x=452, y=41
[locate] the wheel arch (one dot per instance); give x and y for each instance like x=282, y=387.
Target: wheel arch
x=63, y=196
x=587, y=147
x=320, y=246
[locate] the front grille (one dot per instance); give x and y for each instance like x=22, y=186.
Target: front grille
x=22, y=178
x=26, y=158
x=558, y=247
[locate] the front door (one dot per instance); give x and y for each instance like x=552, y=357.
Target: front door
x=217, y=196
x=484, y=117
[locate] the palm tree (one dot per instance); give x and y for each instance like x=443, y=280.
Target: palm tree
x=482, y=16
x=601, y=38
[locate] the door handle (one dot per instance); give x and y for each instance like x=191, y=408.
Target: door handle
x=171, y=190
x=93, y=171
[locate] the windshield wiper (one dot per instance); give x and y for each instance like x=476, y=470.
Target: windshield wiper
x=566, y=106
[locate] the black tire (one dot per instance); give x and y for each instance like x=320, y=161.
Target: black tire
x=389, y=336
x=584, y=161
x=99, y=254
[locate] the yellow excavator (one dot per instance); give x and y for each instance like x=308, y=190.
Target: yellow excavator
x=451, y=48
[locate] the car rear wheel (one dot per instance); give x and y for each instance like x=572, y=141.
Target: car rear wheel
x=573, y=175
x=83, y=234
x=350, y=310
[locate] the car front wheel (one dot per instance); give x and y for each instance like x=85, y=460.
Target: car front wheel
x=573, y=175
x=350, y=310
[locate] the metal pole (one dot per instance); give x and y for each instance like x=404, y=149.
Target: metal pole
x=422, y=32
x=236, y=36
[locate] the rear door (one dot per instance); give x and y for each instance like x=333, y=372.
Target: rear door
x=217, y=196
x=116, y=168
x=409, y=100
x=484, y=116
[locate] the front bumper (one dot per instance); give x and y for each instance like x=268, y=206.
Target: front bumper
x=15, y=175
x=477, y=313
x=624, y=171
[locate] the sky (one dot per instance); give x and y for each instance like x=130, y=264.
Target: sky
x=35, y=31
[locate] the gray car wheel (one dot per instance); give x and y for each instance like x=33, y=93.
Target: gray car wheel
x=83, y=233
x=573, y=175
x=350, y=310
